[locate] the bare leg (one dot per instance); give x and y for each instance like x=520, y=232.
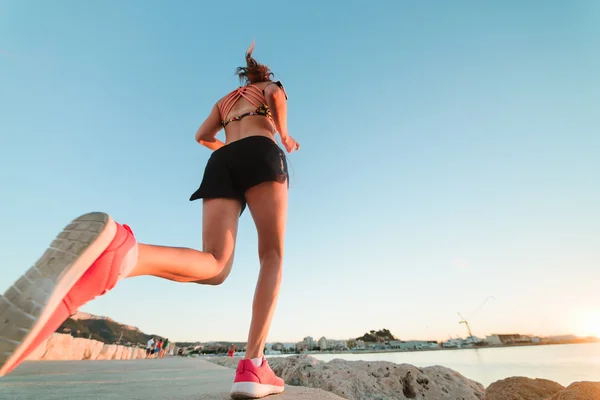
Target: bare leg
x=268, y=205
x=210, y=266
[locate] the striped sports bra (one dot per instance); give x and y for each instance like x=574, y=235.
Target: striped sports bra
x=254, y=95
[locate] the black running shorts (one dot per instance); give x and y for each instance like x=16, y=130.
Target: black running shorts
x=237, y=166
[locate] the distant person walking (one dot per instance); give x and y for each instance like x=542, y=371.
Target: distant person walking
x=149, y=347
x=154, y=345
x=231, y=351
x=159, y=346
x=165, y=348
x=93, y=253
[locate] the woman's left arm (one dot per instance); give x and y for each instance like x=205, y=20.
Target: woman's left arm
x=206, y=134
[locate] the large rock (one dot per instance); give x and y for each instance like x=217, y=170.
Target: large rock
x=362, y=380
x=136, y=353
x=128, y=353
x=39, y=352
x=118, y=353
x=108, y=352
x=519, y=388
x=78, y=348
x=93, y=350
x=141, y=353
x=59, y=347
x=579, y=391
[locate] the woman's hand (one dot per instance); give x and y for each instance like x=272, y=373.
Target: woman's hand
x=290, y=144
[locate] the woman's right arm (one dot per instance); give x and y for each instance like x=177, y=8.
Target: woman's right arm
x=276, y=100
x=206, y=134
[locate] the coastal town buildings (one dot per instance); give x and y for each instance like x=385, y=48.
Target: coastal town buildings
x=511, y=339
x=413, y=344
x=278, y=347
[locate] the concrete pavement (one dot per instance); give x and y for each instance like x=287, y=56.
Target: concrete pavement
x=170, y=378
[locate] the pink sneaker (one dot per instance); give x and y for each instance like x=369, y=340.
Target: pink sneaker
x=85, y=260
x=252, y=382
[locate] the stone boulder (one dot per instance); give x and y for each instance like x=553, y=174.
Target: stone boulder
x=108, y=352
x=362, y=380
x=59, y=347
x=136, y=353
x=519, y=388
x=79, y=346
x=130, y=353
x=62, y=346
x=93, y=349
x=579, y=391
x=39, y=352
x=126, y=355
x=118, y=353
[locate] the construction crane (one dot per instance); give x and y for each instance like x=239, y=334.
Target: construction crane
x=464, y=321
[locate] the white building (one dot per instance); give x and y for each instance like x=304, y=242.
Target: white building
x=453, y=344
x=413, y=344
x=508, y=339
x=278, y=347
x=323, y=343
x=336, y=344
x=493, y=340
x=301, y=346
x=310, y=342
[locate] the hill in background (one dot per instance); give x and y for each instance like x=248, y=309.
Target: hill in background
x=383, y=335
x=104, y=330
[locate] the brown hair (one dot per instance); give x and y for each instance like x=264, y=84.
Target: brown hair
x=254, y=71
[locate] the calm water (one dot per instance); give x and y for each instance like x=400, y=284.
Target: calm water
x=564, y=364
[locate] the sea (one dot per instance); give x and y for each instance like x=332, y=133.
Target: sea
x=564, y=364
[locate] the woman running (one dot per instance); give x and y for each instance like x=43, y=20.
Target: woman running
x=94, y=252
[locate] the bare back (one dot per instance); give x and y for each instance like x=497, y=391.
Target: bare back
x=251, y=125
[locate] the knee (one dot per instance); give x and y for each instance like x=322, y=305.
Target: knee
x=216, y=280
x=222, y=269
x=271, y=257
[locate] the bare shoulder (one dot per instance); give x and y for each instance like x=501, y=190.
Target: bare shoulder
x=223, y=98
x=273, y=88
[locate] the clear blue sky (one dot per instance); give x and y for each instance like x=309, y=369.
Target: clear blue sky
x=450, y=152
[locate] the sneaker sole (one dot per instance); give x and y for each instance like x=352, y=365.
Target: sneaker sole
x=251, y=390
x=28, y=304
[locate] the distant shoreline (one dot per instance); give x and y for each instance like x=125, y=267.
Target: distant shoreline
x=334, y=352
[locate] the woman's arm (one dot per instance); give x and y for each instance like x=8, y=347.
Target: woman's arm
x=276, y=100
x=213, y=145
x=206, y=134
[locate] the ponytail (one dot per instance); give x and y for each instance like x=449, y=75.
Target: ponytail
x=254, y=71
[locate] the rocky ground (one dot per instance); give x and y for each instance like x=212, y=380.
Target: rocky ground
x=519, y=388
x=361, y=380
